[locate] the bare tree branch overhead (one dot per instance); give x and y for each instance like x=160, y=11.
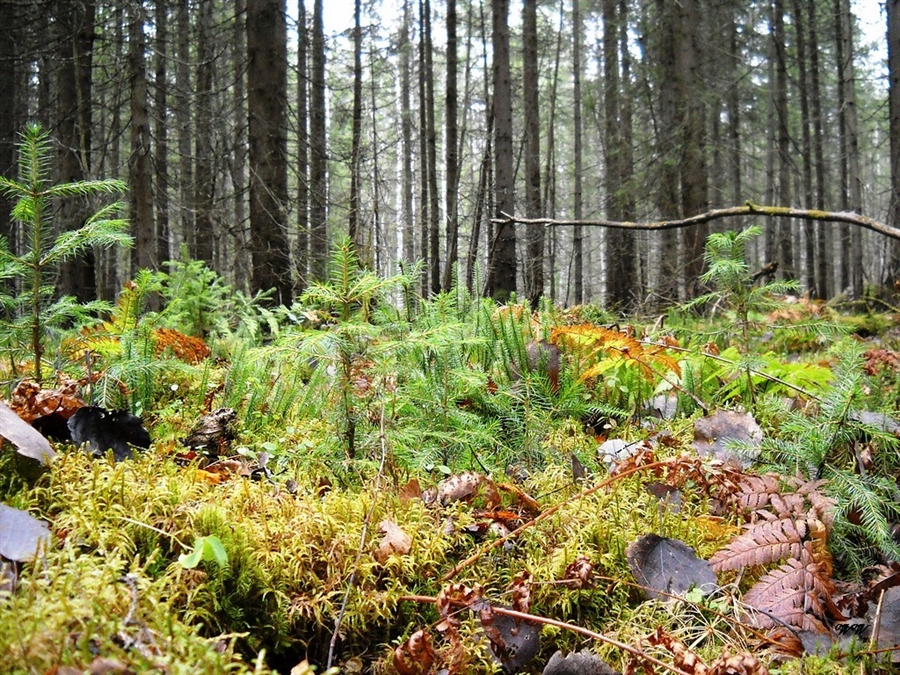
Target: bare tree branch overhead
x=748, y=209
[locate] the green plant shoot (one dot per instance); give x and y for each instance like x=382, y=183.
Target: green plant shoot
x=34, y=309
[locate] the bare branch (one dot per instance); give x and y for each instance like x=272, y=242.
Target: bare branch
x=748, y=209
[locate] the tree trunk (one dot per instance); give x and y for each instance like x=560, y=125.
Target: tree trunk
x=318, y=178
x=893, y=41
x=406, y=139
x=301, y=262
x=785, y=250
x=140, y=177
x=577, y=131
x=431, y=157
x=666, y=142
x=10, y=77
x=185, y=129
x=694, y=180
x=823, y=230
x=238, y=167
x=266, y=109
x=75, y=23
x=534, y=262
x=806, y=143
x=356, y=130
x=451, y=148
x=854, y=183
x=161, y=130
x=549, y=183
x=205, y=181
x=502, y=269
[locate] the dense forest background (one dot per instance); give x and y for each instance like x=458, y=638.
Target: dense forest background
x=251, y=138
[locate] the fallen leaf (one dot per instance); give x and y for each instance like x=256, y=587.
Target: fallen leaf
x=521, y=591
x=459, y=487
x=21, y=534
x=716, y=435
x=668, y=566
x=104, y=666
x=28, y=441
x=578, y=573
x=410, y=491
x=415, y=656
x=212, y=432
x=577, y=663
x=395, y=542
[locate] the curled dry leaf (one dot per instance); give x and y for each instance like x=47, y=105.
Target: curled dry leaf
x=416, y=655
x=521, y=591
x=395, y=542
x=737, y=664
x=410, y=491
x=684, y=659
x=578, y=573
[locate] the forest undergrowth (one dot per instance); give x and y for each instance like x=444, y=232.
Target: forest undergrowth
x=369, y=481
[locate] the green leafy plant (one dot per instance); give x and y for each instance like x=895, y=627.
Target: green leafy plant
x=206, y=549
x=734, y=285
x=34, y=311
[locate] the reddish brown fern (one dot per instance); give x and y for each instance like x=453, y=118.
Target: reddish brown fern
x=790, y=526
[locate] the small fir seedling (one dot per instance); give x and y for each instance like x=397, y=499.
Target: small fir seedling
x=34, y=310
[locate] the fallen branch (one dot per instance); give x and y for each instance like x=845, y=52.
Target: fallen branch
x=748, y=209
x=533, y=618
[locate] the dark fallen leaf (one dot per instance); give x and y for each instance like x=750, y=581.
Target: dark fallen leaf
x=877, y=420
x=578, y=471
x=664, y=565
x=520, y=639
x=21, y=534
x=579, y=572
x=667, y=494
x=28, y=441
x=716, y=435
x=577, y=663
x=103, y=430
x=616, y=450
x=521, y=591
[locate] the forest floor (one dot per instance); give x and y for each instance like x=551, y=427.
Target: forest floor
x=463, y=488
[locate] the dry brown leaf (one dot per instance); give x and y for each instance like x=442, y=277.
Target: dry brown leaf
x=395, y=542
x=416, y=655
x=578, y=573
x=521, y=591
x=459, y=487
x=410, y=491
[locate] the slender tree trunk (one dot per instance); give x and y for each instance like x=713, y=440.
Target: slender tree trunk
x=734, y=109
x=503, y=259
x=161, y=130
x=140, y=177
x=629, y=243
x=434, y=246
x=694, y=179
x=534, y=262
x=823, y=230
x=356, y=131
x=239, y=155
x=183, y=103
x=854, y=184
x=577, y=234
x=10, y=77
x=667, y=201
x=549, y=182
x=266, y=111
x=893, y=40
x=785, y=250
x=318, y=178
x=406, y=139
x=75, y=24
x=806, y=142
x=204, y=181
x=301, y=259
x=451, y=150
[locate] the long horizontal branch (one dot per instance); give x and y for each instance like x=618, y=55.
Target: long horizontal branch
x=748, y=209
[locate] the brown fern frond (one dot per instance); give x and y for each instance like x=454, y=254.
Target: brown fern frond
x=756, y=491
x=763, y=543
x=185, y=347
x=796, y=594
